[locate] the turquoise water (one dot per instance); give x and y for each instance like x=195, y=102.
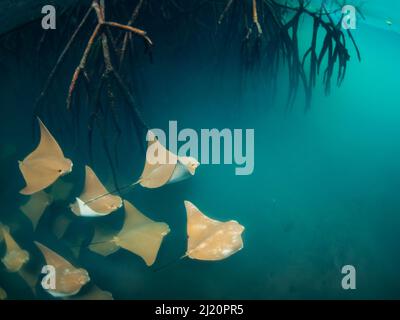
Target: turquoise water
x=324, y=192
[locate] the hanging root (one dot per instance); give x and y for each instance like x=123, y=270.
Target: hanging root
x=99, y=30
x=226, y=9
x=272, y=38
x=266, y=30
x=127, y=35
x=82, y=64
x=61, y=58
x=255, y=18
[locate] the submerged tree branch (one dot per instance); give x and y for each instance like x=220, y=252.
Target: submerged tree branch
x=280, y=43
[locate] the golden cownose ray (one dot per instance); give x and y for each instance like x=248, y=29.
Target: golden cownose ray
x=171, y=168
x=45, y=164
x=161, y=167
x=139, y=235
x=15, y=257
x=93, y=189
x=36, y=205
x=210, y=239
x=69, y=279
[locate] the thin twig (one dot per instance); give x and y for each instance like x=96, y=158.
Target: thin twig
x=137, y=31
x=61, y=58
x=82, y=63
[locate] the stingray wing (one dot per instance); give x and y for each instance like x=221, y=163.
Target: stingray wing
x=93, y=189
x=3, y=294
x=102, y=241
x=133, y=217
x=48, y=146
x=11, y=244
x=36, y=167
x=37, y=175
x=93, y=186
x=15, y=257
x=141, y=235
x=156, y=174
x=199, y=226
x=224, y=241
x=36, y=205
x=145, y=240
x=53, y=258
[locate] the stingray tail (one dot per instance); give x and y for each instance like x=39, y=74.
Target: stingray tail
x=114, y=191
x=72, y=247
x=175, y=261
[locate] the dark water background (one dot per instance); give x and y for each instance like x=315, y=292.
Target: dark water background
x=324, y=192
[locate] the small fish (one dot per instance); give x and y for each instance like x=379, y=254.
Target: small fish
x=15, y=257
x=45, y=164
x=93, y=189
x=389, y=23
x=69, y=279
x=210, y=239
